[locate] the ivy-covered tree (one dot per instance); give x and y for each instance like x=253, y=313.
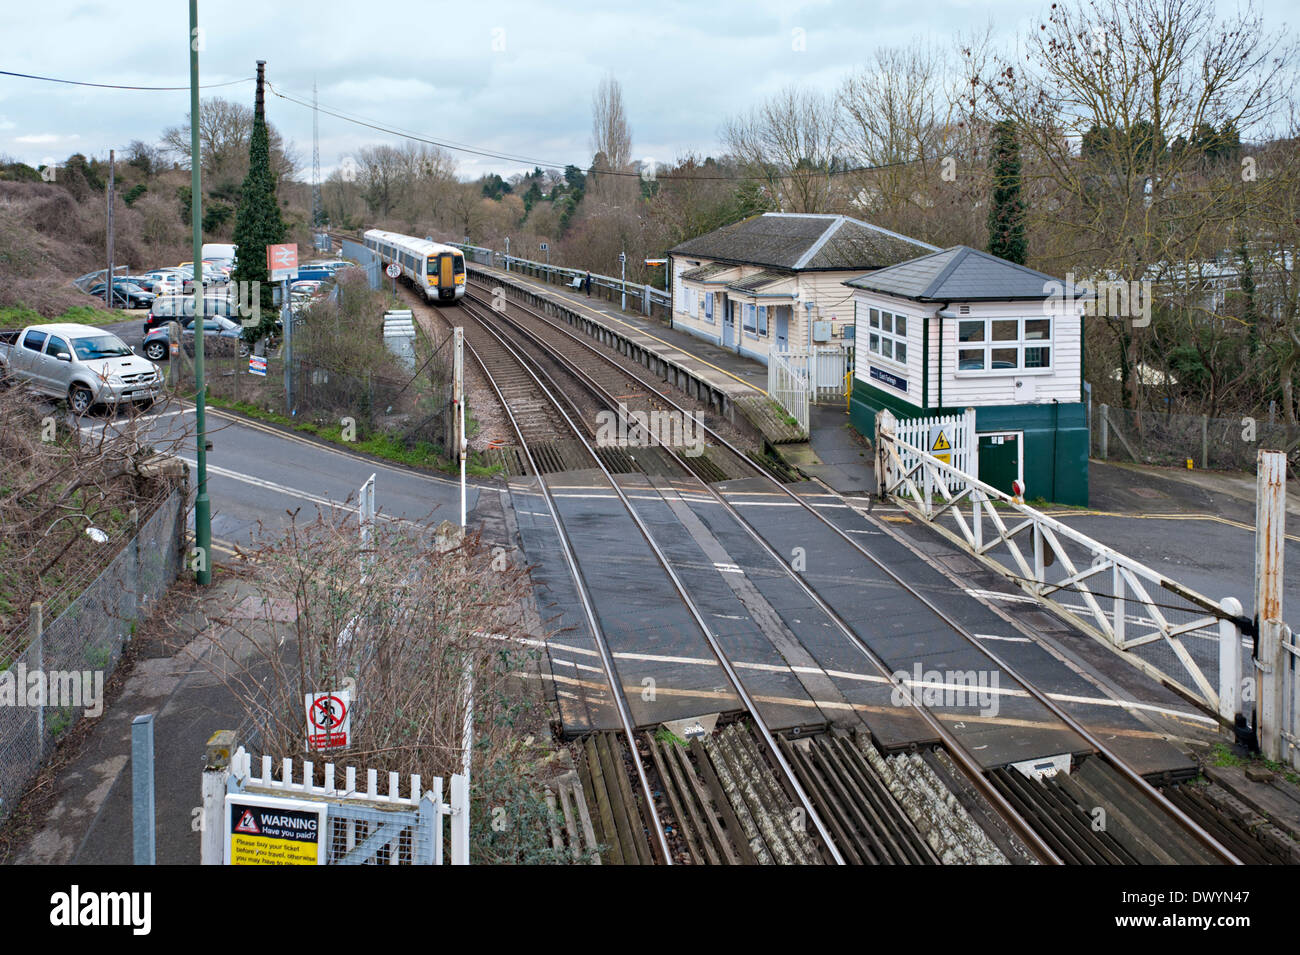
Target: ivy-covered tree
x=1006, y=208
x=258, y=222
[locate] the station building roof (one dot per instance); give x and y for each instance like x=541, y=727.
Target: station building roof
x=804, y=242
x=963, y=274
x=714, y=273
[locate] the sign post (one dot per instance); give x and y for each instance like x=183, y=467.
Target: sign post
x=282, y=266
x=393, y=271
x=622, y=266
x=940, y=443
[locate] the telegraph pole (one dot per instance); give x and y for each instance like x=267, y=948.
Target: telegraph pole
x=202, y=505
x=108, y=283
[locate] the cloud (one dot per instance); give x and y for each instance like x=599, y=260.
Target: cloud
x=45, y=139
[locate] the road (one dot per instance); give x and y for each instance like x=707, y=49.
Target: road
x=258, y=474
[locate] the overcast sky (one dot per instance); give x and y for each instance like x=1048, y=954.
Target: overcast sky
x=512, y=77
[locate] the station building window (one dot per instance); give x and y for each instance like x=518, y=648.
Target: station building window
x=1004, y=344
x=887, y=335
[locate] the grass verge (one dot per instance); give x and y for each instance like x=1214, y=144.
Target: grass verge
x=20, y=316
x=380, y=445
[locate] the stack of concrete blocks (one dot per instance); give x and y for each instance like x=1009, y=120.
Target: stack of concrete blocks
x=399, y=336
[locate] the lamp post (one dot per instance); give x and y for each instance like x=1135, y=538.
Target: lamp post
x=202, y=505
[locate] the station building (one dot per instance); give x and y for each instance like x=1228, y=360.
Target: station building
x=960, y=328
x=776, y=280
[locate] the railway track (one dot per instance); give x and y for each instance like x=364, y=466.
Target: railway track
x=548, y=341
x=547, y=386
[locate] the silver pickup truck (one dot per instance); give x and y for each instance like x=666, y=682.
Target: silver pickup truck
x=86, y=365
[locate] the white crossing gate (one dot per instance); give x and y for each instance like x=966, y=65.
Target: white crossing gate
x=1169, y=631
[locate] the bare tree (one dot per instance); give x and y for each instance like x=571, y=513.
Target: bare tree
x=789, y=144
x=1122, y=107
x=610, y=135
x=225, y=128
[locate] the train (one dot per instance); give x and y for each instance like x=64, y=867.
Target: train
x=435, y=269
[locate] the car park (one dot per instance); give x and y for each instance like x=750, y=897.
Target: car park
x=162, y=281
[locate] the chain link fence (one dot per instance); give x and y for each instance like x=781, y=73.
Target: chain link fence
x=1154, y=437
x=54, y=670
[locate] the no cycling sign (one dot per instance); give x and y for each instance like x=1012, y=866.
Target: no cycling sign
x=329, y=719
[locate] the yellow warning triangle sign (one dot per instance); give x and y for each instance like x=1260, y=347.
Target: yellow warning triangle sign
x=941, y=443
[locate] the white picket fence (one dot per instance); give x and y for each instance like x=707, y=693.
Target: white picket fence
x=797, y=379
x=960, y=432
x=364, y=822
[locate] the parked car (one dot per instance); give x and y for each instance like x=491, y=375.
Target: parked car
x=162, y=281
x=87, y=366
x=125, y=294
x=172, y=307
x=220, y=253
x=157, y=343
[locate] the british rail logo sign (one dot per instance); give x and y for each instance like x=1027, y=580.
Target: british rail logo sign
x=282, y=261
x=269, y=830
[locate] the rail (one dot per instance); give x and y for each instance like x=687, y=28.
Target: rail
x=711, y=638
x=955, y=748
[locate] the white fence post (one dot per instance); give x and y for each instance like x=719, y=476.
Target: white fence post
x=1230, y=672
x=1270, y=538
x=216, y=773
x=459, y=820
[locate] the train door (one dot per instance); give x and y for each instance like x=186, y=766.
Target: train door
x=446, y=272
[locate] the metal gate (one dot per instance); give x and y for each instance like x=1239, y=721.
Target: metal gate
x=796, y=379
x=364, y=825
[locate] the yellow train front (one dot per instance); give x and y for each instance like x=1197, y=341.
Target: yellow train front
x=435, y=269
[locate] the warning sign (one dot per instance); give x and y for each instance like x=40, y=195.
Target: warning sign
x=266, y=830
x=940, y=445
x=329, y=719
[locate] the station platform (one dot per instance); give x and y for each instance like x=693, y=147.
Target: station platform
x=742, y=381
x=835, y=453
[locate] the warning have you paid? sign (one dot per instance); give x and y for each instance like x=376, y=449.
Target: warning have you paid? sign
x=267, y=830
